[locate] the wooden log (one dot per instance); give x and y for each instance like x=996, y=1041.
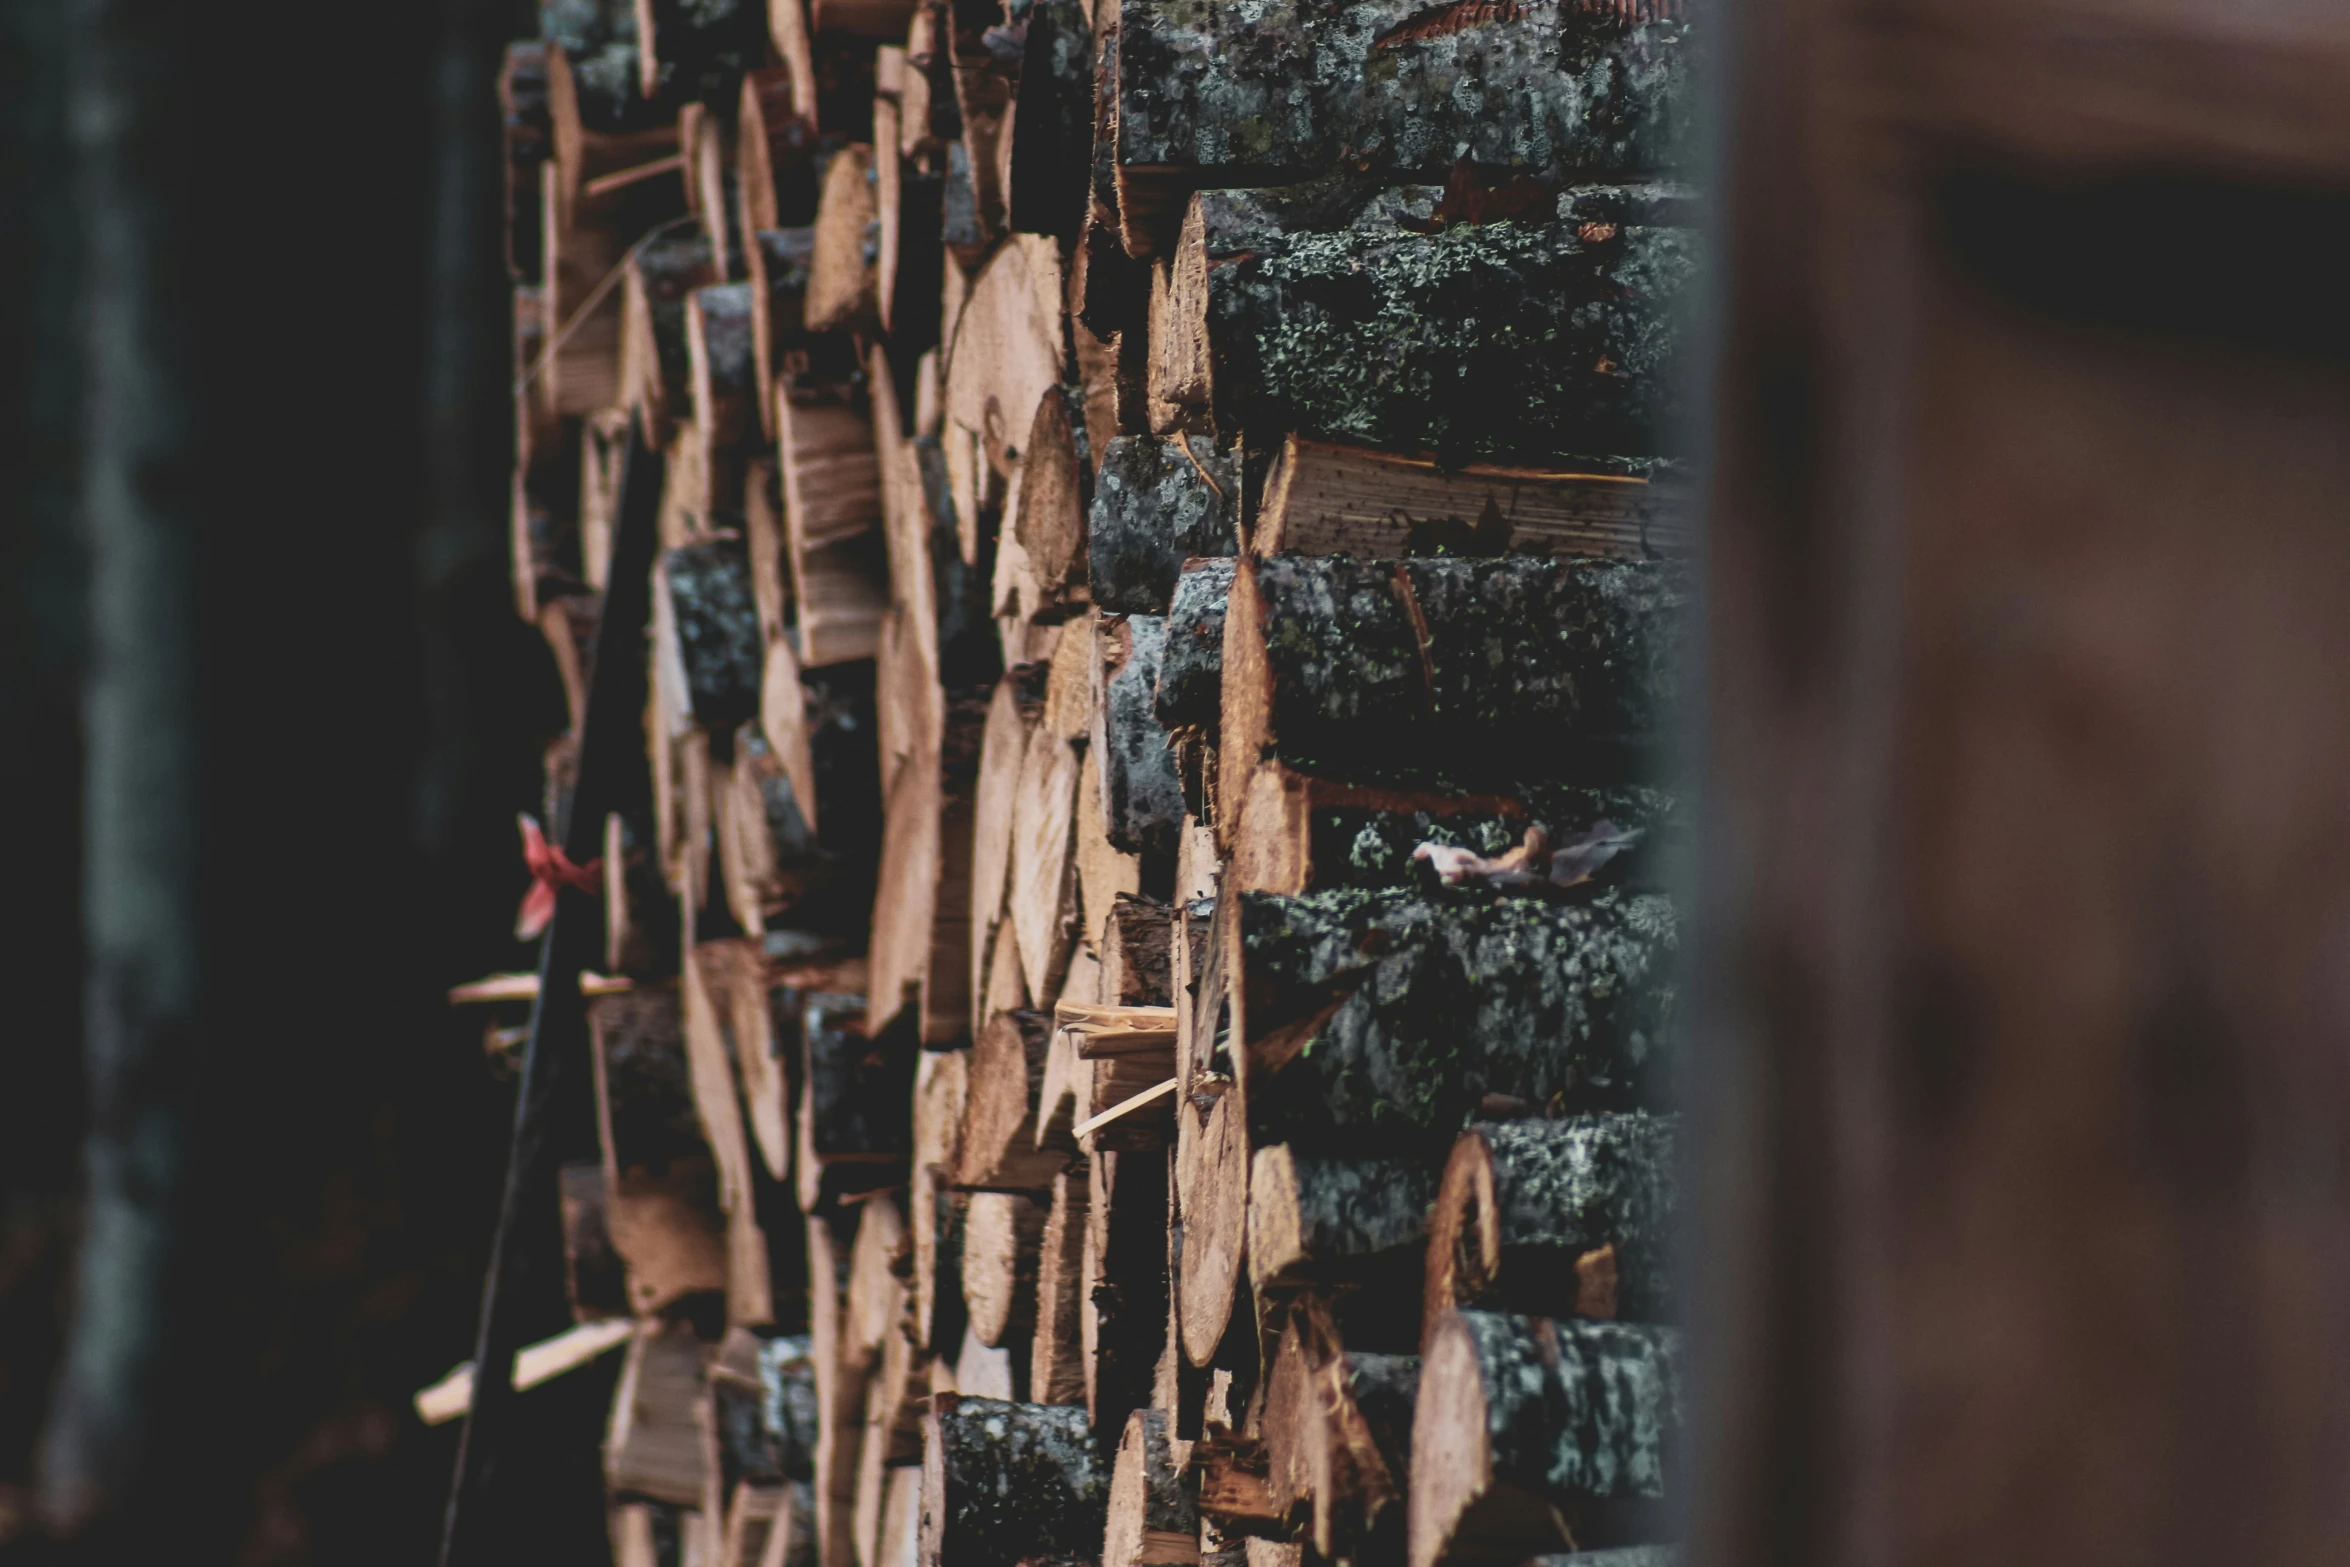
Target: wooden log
x=1136, y=950
x=1057, y=1352
x=844, y=274
x=774, y=163
x=1394, y=92
x=1142, y=796
x=998, y=1148
x=911, y=212
x=1158, y=503
x=734, y=974
x=603, y=447
x=1056, y=483
x=1013, y=711
x=640, y=918
x=1369, y=335
x=1422, y=1008
x=1124, y=1297
x=1049, y=162
x=1191, y=671
x=1002, y=1236
x=655, y=363
x=1337, y=1437
x=1557, y=1218
x=595, y=1278
x=721, y=367
x=1326, y=1221
x=1212, y=1174
x=708, y=171
x=840, y=1392
x=790, y=1405
x=697, y=49
x=791, y=1537
x=937, y=1217
x=750, y=1514
x=896, y=1401
x=1526, y=1428
x=1041, y=896
x=900, y=1540
x=1008, y=347
x=706, y=638
x=661, y=1211
x=1489, y=670
x=653, y=1446
x=832, y=514
x=985, y=61
x=777, y=261
x=1323, y=498
x=1005, y=1483
x=1153, y=1519
x=857, y=1092
x=736, y=1451
x=1105, y=873
x=921, y=931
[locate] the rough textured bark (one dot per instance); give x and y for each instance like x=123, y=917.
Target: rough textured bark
x=1462, y=672
x=1191, y=673
x=1327, y=1220
x=1006, y=1483
x=722, y=363
x=1377, y=1021
x=1213, y=97
x=708, y=603
x=858, y=1089
x=1153, y=1519
x=1142, y=797
x=1158, y=503
x=1573, y=1217
x=1136, y=934
x=1052, y=122
x=1523, y=1424
x=1337, y=1438
x=1546, y=342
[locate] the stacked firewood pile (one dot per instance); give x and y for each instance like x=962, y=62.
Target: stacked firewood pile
x=1141, y=1007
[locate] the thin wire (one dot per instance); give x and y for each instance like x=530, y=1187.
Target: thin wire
x=595, y=297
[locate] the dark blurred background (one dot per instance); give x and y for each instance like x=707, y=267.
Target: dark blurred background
x=317, y=1142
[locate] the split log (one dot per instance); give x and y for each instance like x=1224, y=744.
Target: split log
x=733, y=973
x=1056, y=1361
x=569, y=625
x=1013, y=710
x=1056, y=482
x=900, y=1537
x=1526, y=1428
x=595, y=1278
x=1005, y=1483
x=777, y=261
x=774, y=163
x=910, y=204
x=603, y=448
x=1322, y=498
x=1191, y=671
x=1008, y=347
x=1003, y=1233
x=662, y=1210
x=736, y=1448
x=655, y=364
x=984, y=79
x=1462, y=671
x=844, y=275
x=1135, y=953
x=998, y=1145
x=1123, y=1307
x=856, y=1096
x=791, y=1538
x=640, y=918
x=1041, y=897
x=720, y=361
x=1105, y=873
x=1049, y=162
x=832, y=513
x=1540, y=343
x=789, y=1404
x=750, y=1514
x=896, y=1401
x=583, y=238
x=840, y=1394
x=1337, y=1437
x=938, y=1214
x=874, y=1305
x=921, y=930
x=709, y=181
x=1158, y=503
x=706, y=638
x=818, y=724
x=653, y=1446
x=1142, y=797
x=1421, y=1008
x=1393, y=91
x=1212, y=1172
x=1557, y=1218
x=1327, y=1221
x=1153, y=1519
x=697, y=49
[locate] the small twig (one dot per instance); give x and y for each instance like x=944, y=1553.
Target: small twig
x=1183, y=439
x=595, y=297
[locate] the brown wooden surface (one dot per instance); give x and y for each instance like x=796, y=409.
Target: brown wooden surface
x=2030, y=601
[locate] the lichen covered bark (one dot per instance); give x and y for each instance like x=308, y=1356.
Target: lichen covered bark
x=717, y=634
x=1483, y=669
x=1576, y=1410
x=1141, y=793
x=1282, y=90
x=1154, y=508
x=1191, y=672
x=1007, y=1483
x=1532, y=342
x=860, y=1090
x=788, y=1408
x=1573, y=1185
x=1435, y=1001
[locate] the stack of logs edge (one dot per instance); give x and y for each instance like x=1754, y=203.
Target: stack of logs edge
x=1149, y=1003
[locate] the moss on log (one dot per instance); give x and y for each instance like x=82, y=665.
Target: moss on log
x=1141, y=794
x=1378, y=1022
x=1008, y=1483
x=1191, y=671
x=1155, y=506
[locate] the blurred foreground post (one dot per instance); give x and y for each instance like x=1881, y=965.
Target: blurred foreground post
x=2029, y=1230
x=129, y=92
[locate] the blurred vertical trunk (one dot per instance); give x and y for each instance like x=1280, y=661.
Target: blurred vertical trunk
x=130, y=96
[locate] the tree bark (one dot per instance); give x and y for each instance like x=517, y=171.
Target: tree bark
x=1545, y=342
x=1191, y=672
x=858, y=1089
x=655, y=364
x=1558, y=1218
x=777, y=261
x=1007, y=1483
x=1417, y=1008
x=1142, y=797
x=1153, y=1520
x=1455, y=672
x=1157, y=504
x=1324, y=1221
x=1523, y=1424
x=722, y=368
x=1052, y=122
x=1213, y=98
x=709, y=636
x=1135, y=952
